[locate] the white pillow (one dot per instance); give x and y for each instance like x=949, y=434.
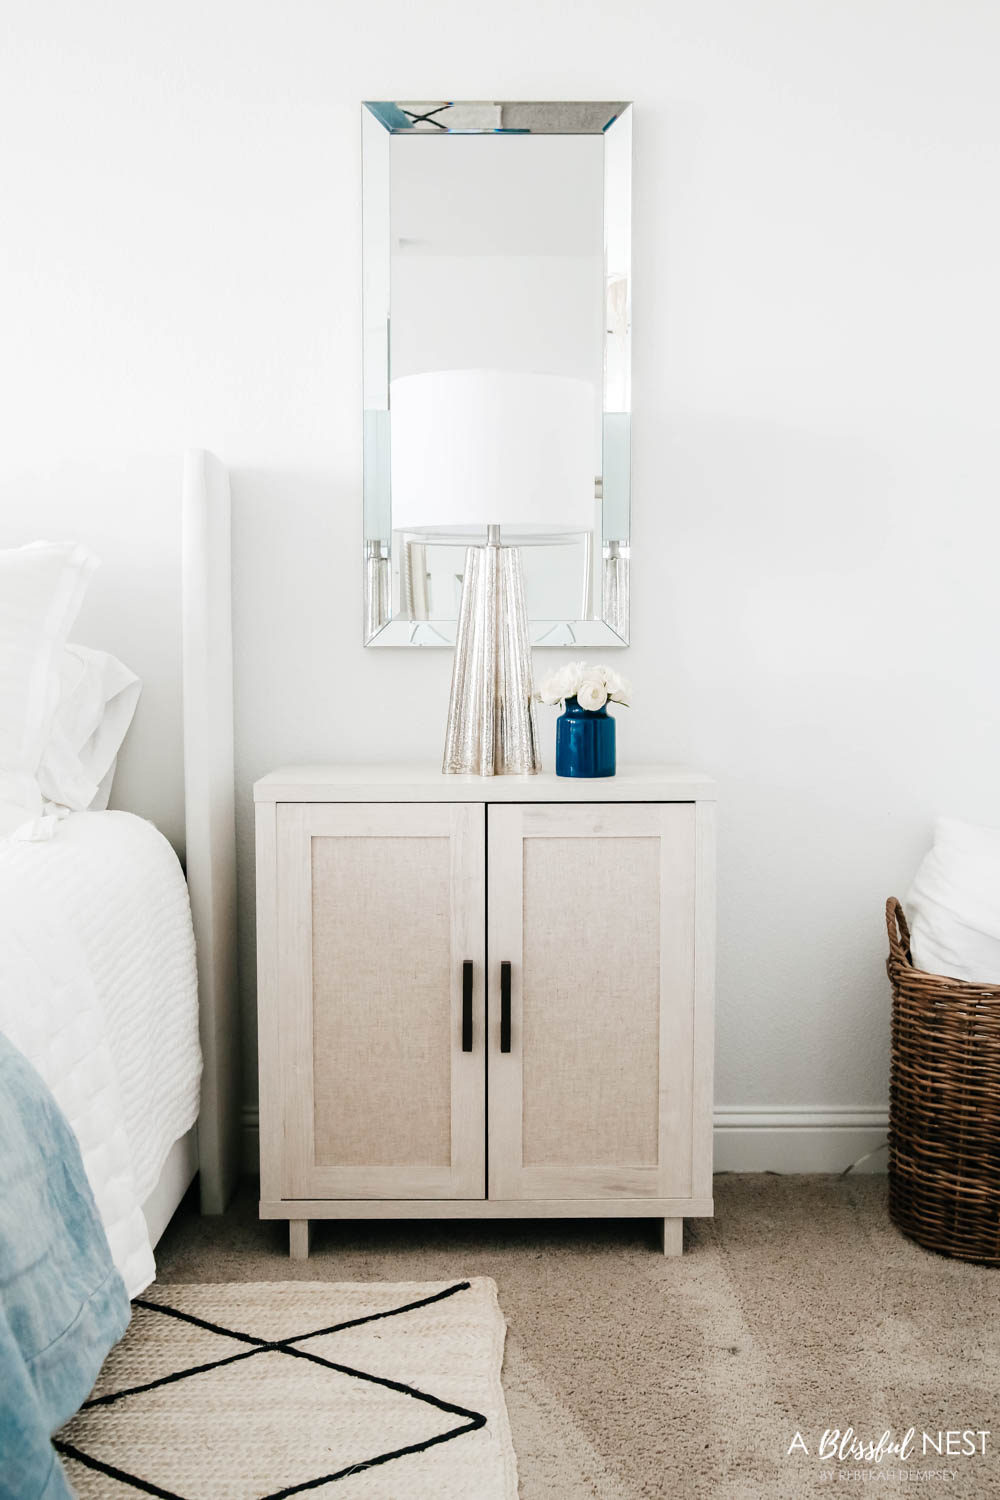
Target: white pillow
x=954, y=905
x=97, y=698
x=41, y=589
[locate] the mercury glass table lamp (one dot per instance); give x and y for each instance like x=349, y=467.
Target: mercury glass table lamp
x=493, y=454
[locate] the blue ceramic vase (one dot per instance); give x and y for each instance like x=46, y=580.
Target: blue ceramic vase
x=585, y=741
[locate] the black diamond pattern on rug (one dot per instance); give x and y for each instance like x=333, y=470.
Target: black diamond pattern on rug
x=470, y=1421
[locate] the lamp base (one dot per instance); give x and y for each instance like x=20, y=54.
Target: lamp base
x=491, y=717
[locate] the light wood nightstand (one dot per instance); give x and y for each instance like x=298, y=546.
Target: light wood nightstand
x=485, y=997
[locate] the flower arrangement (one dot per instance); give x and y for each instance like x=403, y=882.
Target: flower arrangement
x=591, y=686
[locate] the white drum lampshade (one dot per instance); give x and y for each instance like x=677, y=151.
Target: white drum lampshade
x=477, y=448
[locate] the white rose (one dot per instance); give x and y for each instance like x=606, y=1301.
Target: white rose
x=591, y=693
x=561, y=684
x=619, y=688
x=572, y=674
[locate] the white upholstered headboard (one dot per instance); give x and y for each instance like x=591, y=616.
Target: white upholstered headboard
x=161, y=602
x=210, y=811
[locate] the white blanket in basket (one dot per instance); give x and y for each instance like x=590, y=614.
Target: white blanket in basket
x=953, y=908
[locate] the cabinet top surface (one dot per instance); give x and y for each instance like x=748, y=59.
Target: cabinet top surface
x=423, y=783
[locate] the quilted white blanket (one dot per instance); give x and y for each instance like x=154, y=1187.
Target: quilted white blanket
x=98, y=989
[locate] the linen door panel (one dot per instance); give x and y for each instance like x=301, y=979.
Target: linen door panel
x=592, y=907
x=380, y=909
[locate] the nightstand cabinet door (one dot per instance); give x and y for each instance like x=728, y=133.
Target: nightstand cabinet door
x=592, y=936
x=380, y=911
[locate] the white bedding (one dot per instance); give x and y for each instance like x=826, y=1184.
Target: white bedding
x=98, y=989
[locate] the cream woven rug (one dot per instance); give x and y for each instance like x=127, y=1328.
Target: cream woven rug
x=264, y=1390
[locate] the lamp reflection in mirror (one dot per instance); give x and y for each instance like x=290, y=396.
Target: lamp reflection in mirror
x=502, y=456
x=378, y=592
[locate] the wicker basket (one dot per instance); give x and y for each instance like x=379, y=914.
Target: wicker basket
x=944, y=1106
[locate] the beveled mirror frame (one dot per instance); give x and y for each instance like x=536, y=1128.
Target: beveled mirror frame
x=386, y=551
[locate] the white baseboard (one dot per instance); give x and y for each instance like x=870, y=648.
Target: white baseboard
x=820, y=1138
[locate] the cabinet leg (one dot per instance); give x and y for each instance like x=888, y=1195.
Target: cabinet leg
x=298, y=1239
x=673, y=1236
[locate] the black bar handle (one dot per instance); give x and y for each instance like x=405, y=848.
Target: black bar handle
x=505, y=1006
x=467, y=1005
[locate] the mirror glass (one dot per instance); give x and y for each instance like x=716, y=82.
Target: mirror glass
x=497, y=296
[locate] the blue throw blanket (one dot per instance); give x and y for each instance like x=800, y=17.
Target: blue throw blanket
x=62, y=1303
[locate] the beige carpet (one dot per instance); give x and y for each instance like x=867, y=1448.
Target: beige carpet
x=627, y=1375
x=363, y=1391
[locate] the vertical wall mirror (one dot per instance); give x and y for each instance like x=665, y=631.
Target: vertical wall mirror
x=497, y=301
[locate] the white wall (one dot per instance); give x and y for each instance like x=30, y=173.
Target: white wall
x=815, y=389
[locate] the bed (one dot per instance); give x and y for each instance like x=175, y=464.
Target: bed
x=117, y=975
